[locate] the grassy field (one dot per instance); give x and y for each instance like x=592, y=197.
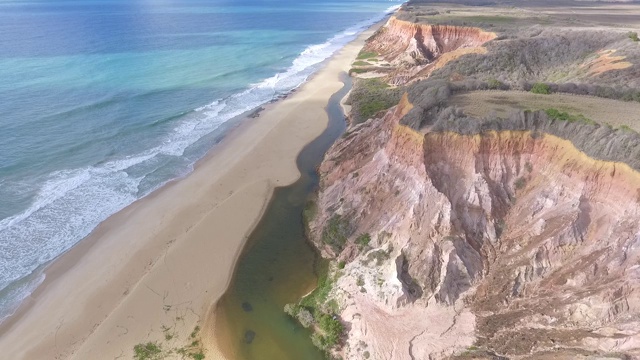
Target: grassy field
x=614, y=112
x=520, y=13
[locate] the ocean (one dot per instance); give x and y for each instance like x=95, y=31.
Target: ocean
x=104, y=101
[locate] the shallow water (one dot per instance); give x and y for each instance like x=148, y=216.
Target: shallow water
x=278, y=266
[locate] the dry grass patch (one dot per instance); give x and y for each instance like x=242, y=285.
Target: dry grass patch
x=502, y=103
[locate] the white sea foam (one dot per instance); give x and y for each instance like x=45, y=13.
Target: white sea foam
x=71, y=203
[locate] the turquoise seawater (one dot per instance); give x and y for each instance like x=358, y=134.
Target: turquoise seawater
x=103, y=101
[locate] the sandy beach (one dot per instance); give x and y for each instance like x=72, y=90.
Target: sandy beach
x=154, y=271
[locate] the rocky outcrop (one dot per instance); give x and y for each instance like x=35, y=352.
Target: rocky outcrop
x=415, y=50
x=513, y=241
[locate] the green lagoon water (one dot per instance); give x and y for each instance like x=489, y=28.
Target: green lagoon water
x=278, y=266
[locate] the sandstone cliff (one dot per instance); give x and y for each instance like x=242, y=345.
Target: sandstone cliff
x=495, y=238
x=511, y=241
x=415, y=50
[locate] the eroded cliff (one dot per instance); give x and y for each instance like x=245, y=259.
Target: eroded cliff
x=511, y=237
x=416, y=50
x=501, y=242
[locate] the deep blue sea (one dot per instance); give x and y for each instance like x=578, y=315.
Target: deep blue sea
x=103, y=101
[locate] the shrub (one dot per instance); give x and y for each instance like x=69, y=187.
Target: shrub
x=148, y=351
x=494, y=84
x=341, y=264
x=291, y=309
x=379, y=256
x=633, y=36
x=305, y=317
x=520, y=183
x=336, y=231
x=332, y=329
x=556, y=114
x=198, y=356
x=361, y=63
x=363, y=240
x=528, y=167
x=541, y=88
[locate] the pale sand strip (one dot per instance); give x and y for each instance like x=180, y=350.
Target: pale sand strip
x=166, y=259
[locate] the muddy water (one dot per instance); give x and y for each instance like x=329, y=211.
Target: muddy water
x=278, y=266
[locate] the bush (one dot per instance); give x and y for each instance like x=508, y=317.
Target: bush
x=541, y=88
x=305, y=317
x=494, y=84
x=556, y=114
x=379, y=256
x=520, y=183
x=336, y=232
x=332, y=329
x=633, y=36
x=363, y=240
x=148, y=351
x=198, y=356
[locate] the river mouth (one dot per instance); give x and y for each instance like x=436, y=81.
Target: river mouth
x=278, y=265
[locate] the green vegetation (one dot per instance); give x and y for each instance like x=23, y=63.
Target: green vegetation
x=309, y=212
x=494, y=84
x=155, y=351
x=520, y=183
x=336, y=232
x=357, y=71
x=148, y=351
x=625, y=128
x=315, y=312
x=541, y=88
x=633, y=36
x=379, y=256
x=528, y=167
x=361, y=63
x=363, y=240
x=341, y=264
x=556, y=114
x=366, y=354
x=369, y=96
x=319, y=295
x=332, y=330
x=366, y=55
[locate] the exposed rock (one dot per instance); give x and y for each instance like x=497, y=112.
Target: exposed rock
x=418, y=49
x=513, y=240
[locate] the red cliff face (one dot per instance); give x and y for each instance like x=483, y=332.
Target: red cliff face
x=416, y=49
x=519, y=243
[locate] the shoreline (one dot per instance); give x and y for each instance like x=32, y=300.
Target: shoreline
x=154, y=262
